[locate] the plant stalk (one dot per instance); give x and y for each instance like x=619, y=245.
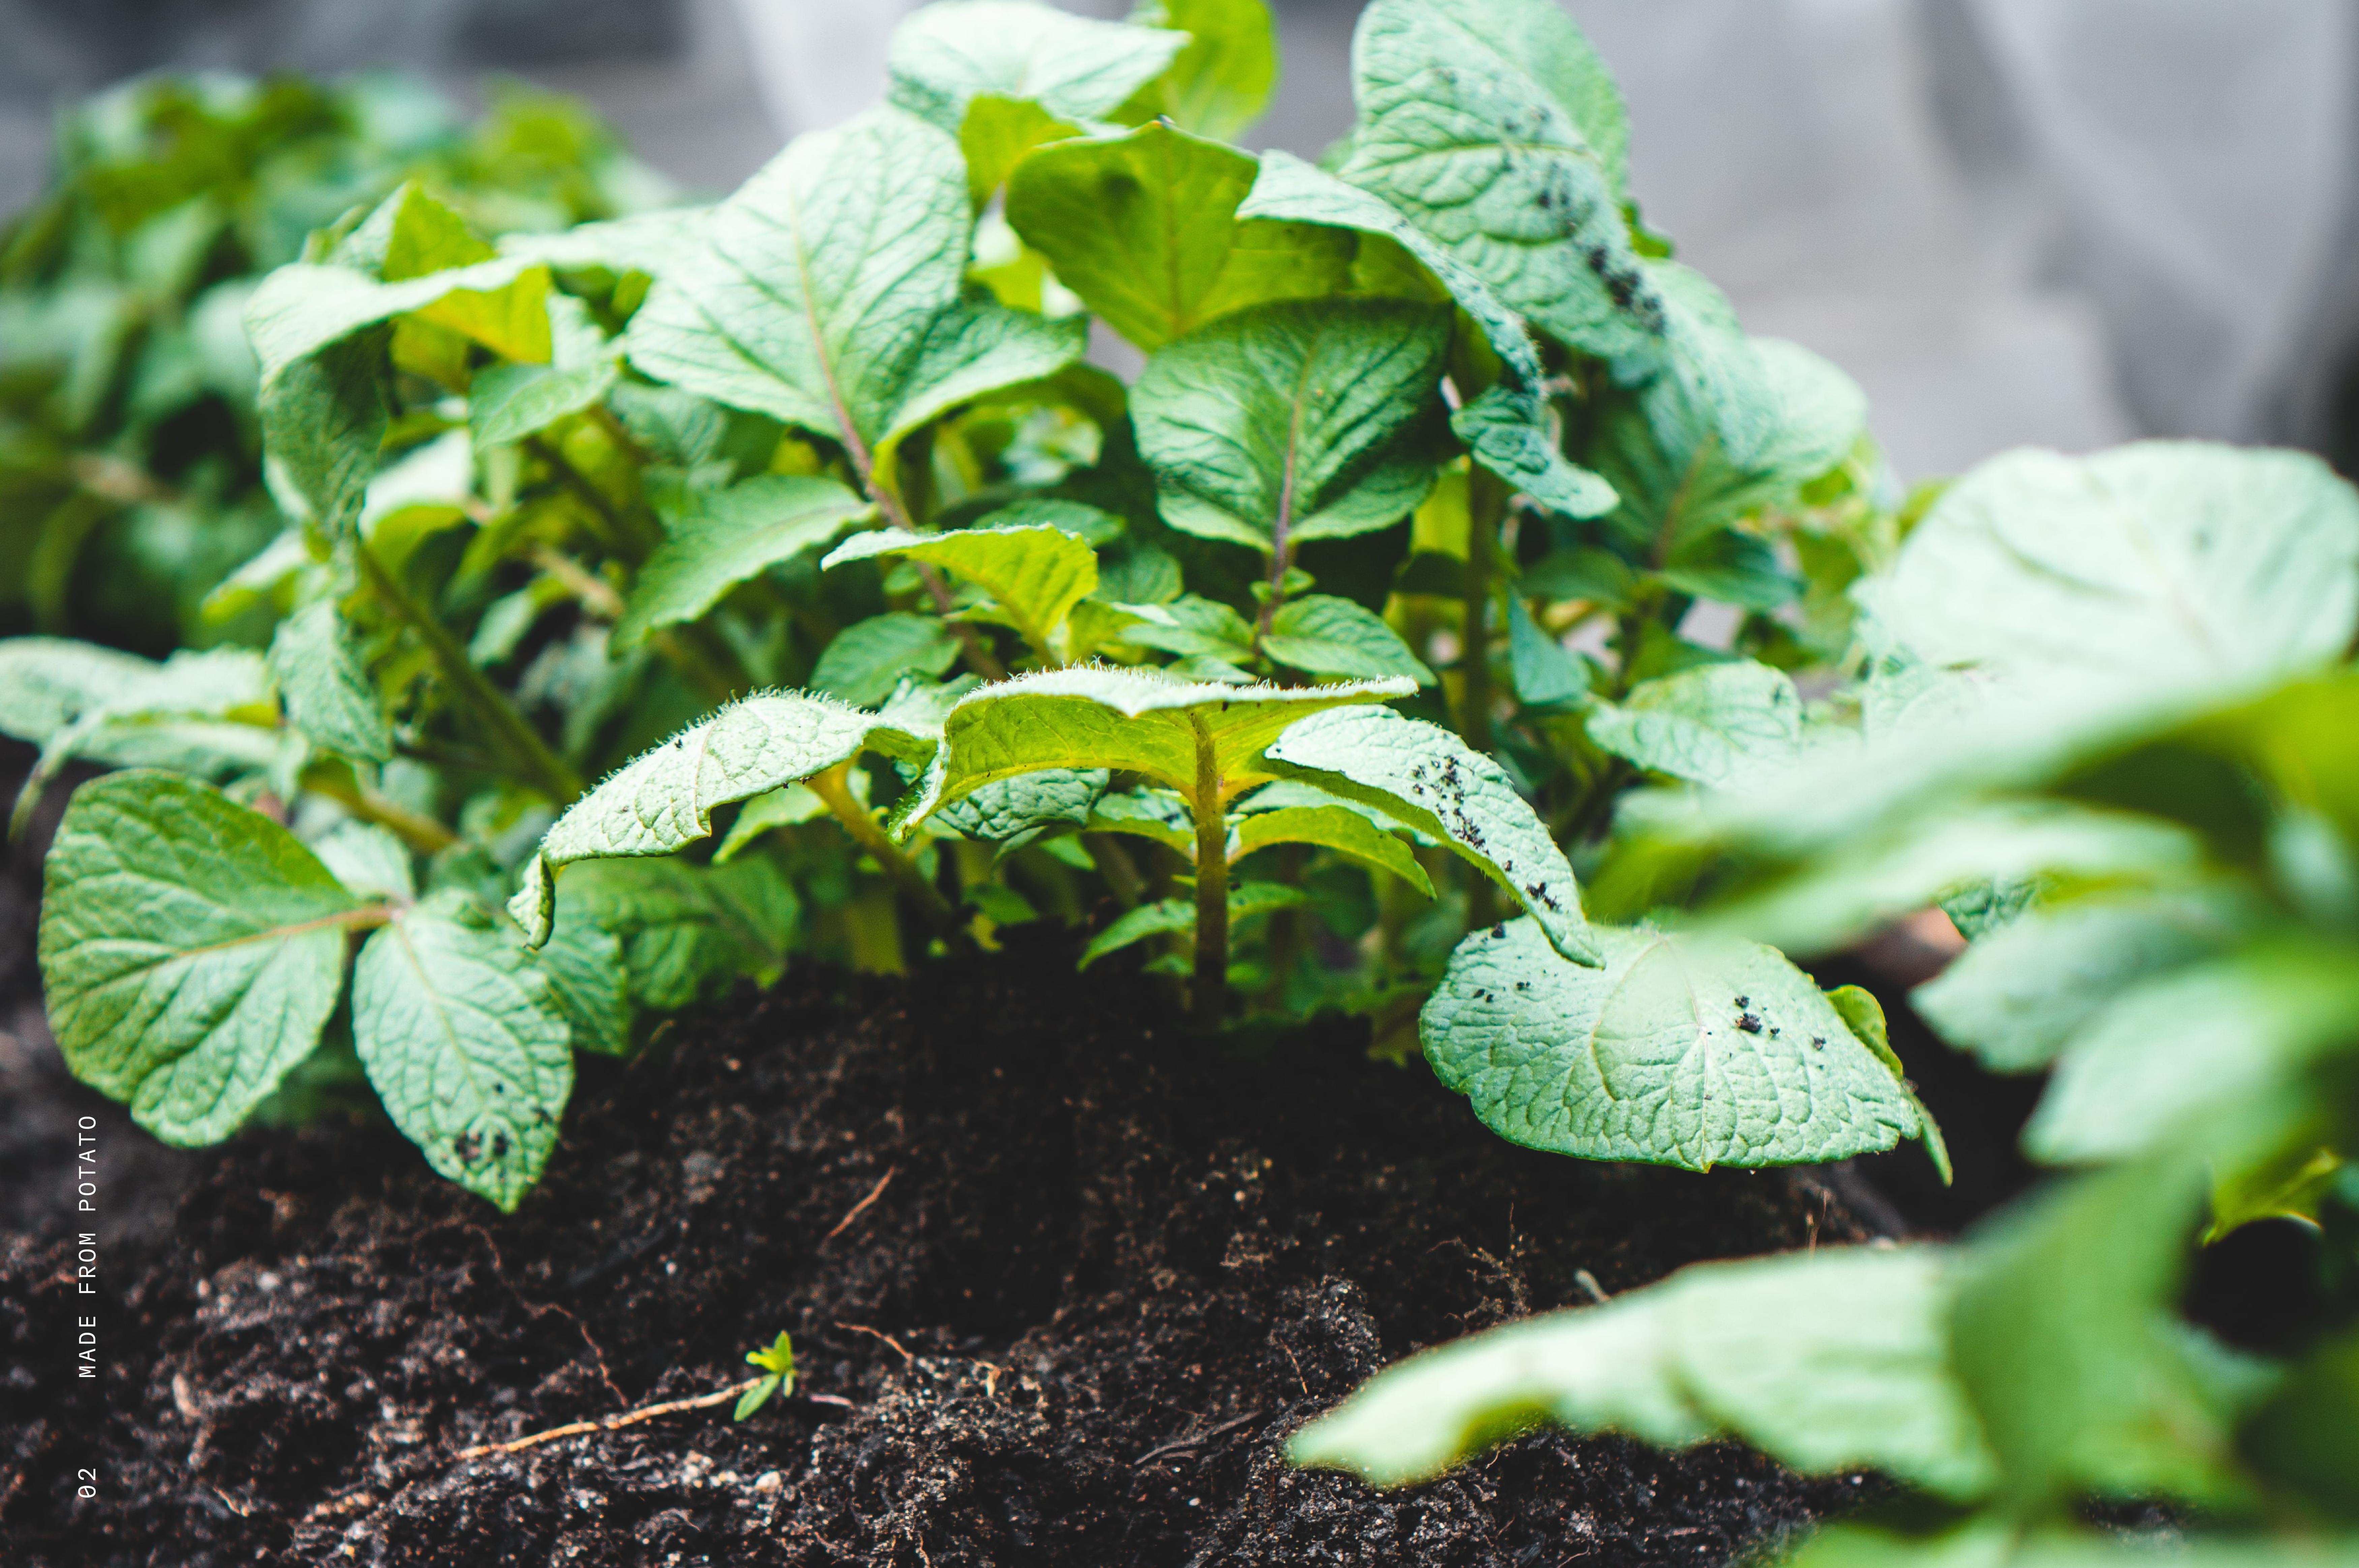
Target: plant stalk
x=1486, y=503
x=420, y=832
x=1208, y=995
x=832, y=789
x=508, y=731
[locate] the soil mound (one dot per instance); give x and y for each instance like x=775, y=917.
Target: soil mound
x=1059, y=1283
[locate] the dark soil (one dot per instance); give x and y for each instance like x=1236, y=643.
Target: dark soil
x=1103, y=1274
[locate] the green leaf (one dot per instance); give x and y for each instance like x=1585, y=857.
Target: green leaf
x=870, y=658
x=688, y=933
x=1734, y=566
x=1715, y=725
x=1281, y=421
x=730, y=537
x=1219, y=83
x=1015, y=807
x=1506, y=430
x=1035, y=575
x=1338, y=827
x=647, y=242
x=2160, y=564
x=1827, y=1363
x=370, y=861
x=666, y=799
x=1328, y=635
x=1246, y=899
x=589, y=982
x=1684, y=1050
x=304, y=307
x=1143, y=227
x=827, y=293
x=755, y=1397
x=510, y=402
x=1292, y=190
x=1424, y=775
x=1664, y=452
x=1546, y=674
x=464, y=1044
x=2017, y=995
x=2066, y=1336
x=1849, y=893
x=1137, y=722
x=1192, y=625
x=327, y=690
x=996, y=135
x=1076, y=68
x=1157, y=814
x=46, y=683
x=323, y=423
x=190, y=951
x=2153, y=1068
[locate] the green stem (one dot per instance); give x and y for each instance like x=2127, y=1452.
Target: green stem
x=508, y=731
x=420, y=832
x=833, y=789
x=1208, y=995
x=1121, y=872
x=1486, y=503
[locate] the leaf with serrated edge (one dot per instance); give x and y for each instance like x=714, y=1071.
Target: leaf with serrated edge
x=1282, y=418
x=730, y=537
x=327, y=692
x=1714, y=725
x=666, y=799
x=1686, y=1050
x=1827, y=1363
x=1423, y=774
x=464, y=1044
x=190, y=951
x=1077, y=67
x=1143, y=228
x=826, y=293
x=1336, y=827
x=1132, y=721
x=1034, y=574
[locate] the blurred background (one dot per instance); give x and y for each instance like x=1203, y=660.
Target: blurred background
x=2059, y=221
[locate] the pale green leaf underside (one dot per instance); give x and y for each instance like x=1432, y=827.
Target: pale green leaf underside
x=466, y=1045
x=1424, y=775
x=190, y=951
x=1034, y=574
x=1692, y=1052
x=2155, y=564
x=1013, y=807
x=1337, y=827
x=666, y=799
x=730, y=538
x=1133, y=721
x=1827, y=1363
